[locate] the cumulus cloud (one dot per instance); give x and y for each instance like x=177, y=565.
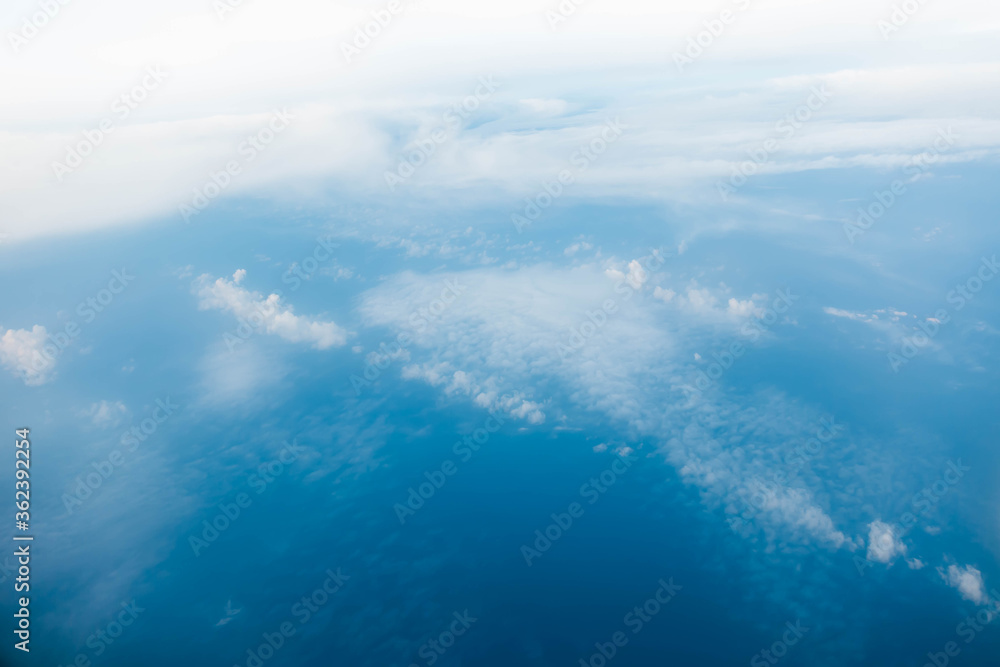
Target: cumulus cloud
x=269, y=313
x=636, y=275
x=966, y=580
x=884, y=545
x=22, y=353
x=713, y=302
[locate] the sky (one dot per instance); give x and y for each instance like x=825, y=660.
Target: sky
x=440, y=333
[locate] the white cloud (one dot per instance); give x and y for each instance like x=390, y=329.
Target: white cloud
x=576, y=247
x=545, y=107
x=22, y=353
x=884, y=545
x=517, y=321
x=271, y=313
x=873, y=317
x=484, y=395
x=714, y=303
x=338, y=272
x=837, y=312
x=745, y=308
x=503, y=337
x=237, y=376
x=966, y=580
x=894, y=327
x=666, y=295
x=692, y=132
x=635, y=273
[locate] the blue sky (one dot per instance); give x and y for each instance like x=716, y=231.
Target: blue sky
x=292, y=281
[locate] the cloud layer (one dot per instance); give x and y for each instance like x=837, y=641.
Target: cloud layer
x=685, y=131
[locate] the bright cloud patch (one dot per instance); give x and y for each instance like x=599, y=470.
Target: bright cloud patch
x=22, y=353
x=514, y=404
x=966, y=580
x=636, y=276
x=884, y=546
x=269, y=313
x=717, y=302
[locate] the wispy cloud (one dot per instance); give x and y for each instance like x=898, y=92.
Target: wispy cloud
x=269, y=313
x=106, y=414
